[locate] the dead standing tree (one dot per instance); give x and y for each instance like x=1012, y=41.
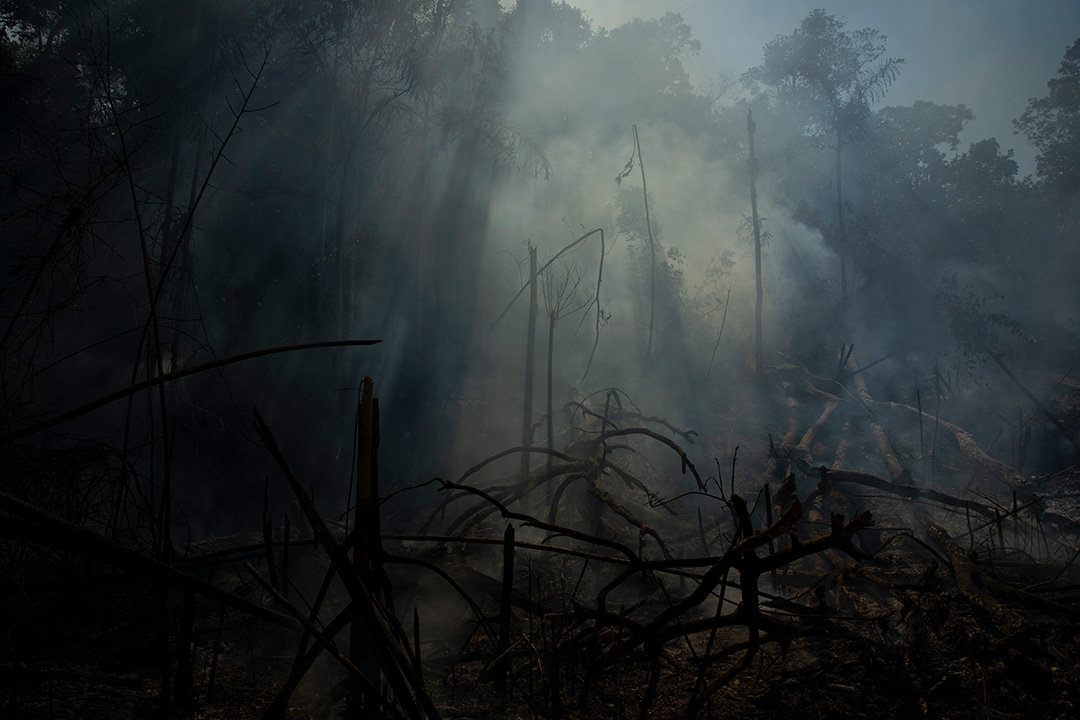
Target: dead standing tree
x=758, y=301
x=530, y=358
x=560, y=300
x=530, y=340
x=387, y=643
x=652, y=244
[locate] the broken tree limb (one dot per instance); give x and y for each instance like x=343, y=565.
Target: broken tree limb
x=305, y=658
x=530, y=521
x=714, y=575
x=476, y=514
x=807, y=441
x=866, y=367
x=896, y=471
x=975, y=456
x=686, y=462
x=982, y=588
x=1068, y=435
x=396, y=664
x=597, y=490
x=326, y=644
x=912, y=492
x=484, y=463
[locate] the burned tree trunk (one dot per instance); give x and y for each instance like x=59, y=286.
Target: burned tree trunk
x=530, y=354
x=750, y=126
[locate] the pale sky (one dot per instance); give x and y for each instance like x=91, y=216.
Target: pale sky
x=991, y=55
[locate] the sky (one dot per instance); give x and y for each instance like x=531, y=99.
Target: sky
x=990, y=55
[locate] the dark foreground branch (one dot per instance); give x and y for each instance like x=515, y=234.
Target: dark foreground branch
x=169, y=377
x=64, y=535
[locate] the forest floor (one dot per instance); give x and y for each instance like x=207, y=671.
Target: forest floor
x=958, y=663
x=958, y=600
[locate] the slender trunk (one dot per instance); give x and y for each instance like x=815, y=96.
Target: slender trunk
x=340, y=232
x=530, y=347
x=502, y=663
x=550, y=420
x=652, y=250
x=841, y=236
x=1065, y=432
x=185, y=681
x=719, y=335
x=340, y=251
x=360, y=648
x=164, y=548
x=758, y=352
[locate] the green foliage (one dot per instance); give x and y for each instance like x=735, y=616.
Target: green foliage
x=908, y=143
x=835, y=74
x=744, y=232
x=569, y=81
x=656, y=49
x=983, y=163
x=977, y=331
x=1052, y=124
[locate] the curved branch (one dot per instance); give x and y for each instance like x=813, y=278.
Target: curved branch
x=169, y=377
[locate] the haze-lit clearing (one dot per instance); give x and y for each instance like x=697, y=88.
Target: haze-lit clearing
x=752, y=325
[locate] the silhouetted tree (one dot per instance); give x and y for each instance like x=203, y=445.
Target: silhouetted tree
x=1052, y=124
x=835, y=75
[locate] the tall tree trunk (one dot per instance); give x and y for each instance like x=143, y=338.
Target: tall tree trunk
x=530, y=347
x=652, y=250
x=552, y=319
x=758, y=352
x=841, y=236
x=361, y=650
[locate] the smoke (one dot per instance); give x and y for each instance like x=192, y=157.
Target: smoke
x=409, y=218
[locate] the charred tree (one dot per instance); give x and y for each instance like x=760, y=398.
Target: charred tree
x=530, y=355
x=758, y=296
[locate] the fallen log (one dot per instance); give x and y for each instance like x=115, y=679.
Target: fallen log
x=982, y=588
x=896, y=470
x=969, y=448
